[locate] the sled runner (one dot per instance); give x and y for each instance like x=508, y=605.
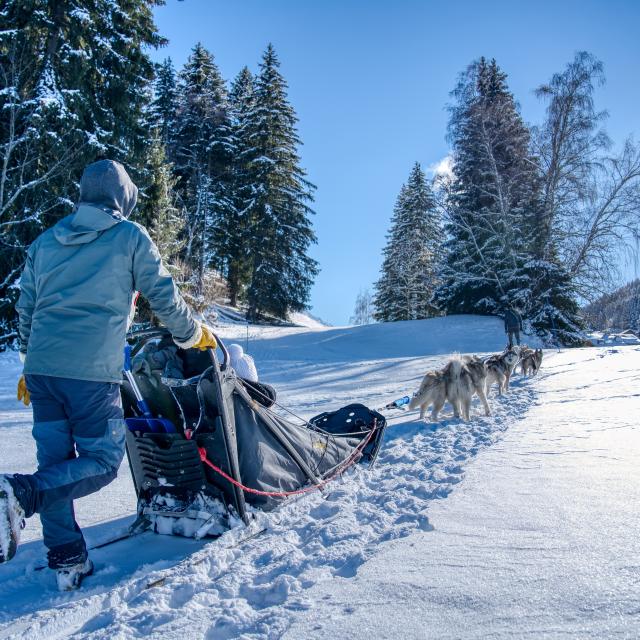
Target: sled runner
x=226, y=450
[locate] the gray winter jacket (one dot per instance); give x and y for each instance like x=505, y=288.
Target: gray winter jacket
x=79, y=280
x=512, y=321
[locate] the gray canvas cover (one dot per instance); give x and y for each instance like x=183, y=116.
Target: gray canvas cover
x=258, y=448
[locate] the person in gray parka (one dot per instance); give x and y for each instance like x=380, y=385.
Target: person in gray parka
x=77, y=293
x=512, y=325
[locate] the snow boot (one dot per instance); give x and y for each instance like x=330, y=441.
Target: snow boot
x=70, y=578
x=11, y=520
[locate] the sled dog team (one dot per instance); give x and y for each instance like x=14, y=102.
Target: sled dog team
x=464, y=376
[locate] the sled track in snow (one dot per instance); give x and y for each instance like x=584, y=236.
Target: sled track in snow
x=253, y=590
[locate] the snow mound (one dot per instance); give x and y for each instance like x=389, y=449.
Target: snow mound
x=307, y=320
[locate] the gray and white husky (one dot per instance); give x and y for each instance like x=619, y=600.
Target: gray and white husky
x=432, y=391
x=456, y=383
x=478, y=371
x=531, y=361
x=500, y=367
x=459, y=384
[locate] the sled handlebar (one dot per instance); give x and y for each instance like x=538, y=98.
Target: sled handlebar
x=143, y=336
x=223, y=348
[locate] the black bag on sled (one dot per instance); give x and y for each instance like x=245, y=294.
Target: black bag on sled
x=228, y=421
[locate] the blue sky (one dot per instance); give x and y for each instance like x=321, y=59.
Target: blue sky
x=370, y=81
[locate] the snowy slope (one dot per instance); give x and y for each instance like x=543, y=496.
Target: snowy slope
x=411, y=339
x=363, y=560
x=539, y=541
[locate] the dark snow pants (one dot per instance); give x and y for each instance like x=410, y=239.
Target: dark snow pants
x=511, y=333
x=78, y=427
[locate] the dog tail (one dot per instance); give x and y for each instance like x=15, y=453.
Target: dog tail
x=430, y=380
x=453, y=369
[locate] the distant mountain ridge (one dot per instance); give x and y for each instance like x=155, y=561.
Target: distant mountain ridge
x=619, y=310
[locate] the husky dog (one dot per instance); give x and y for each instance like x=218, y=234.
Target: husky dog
x=531, y=362
x=432, y=391
x=500, y=367
x=459, y=387
x=478, y=371
x=524, y=350
x=456, y=383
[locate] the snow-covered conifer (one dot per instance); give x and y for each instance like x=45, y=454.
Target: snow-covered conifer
x=73, y=86
x=279, y=213
x=203, y=156
x=412, y=255
x=491, y=199
x=164, y=106
x=234, y=241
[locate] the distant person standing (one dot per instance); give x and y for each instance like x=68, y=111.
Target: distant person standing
x=512, y=325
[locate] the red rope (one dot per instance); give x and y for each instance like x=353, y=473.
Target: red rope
x=283, y=494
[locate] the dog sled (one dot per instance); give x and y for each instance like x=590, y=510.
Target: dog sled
x=215, y=449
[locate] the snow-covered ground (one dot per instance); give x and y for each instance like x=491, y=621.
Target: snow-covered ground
x=524, y=524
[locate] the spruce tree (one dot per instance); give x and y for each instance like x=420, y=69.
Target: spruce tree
x=234, y=237
x=164, y=106
x=412, y=255
x=280, y=229
x=492, y=199
x=496, y=204
x=203, y=156
x=157, y=209
x=73, y=86
x=553, y=311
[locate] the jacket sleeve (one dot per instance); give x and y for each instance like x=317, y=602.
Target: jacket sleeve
x=26, y=303
x=155, y=283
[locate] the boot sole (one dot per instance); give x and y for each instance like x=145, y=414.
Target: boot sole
x=7, y=554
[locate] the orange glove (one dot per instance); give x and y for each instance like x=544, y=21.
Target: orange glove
x=23, y=392
x=207, y=339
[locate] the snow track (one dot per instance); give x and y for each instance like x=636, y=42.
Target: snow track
x=316, y=545
x=251, y=591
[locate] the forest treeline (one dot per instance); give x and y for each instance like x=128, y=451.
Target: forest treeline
x=535, y=216
x=221, y=188
x=619, y=310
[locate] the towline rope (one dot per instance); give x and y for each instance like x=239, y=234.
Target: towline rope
x=283, y=494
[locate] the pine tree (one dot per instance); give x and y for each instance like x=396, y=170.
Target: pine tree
x=233, y=241
x=164, y=106
x=73, y=86
x=280, y=228
x=412, y=255
x=156, y=208
x=203, y=157
x=553, y=312
x=492, y=199
x=497, y=252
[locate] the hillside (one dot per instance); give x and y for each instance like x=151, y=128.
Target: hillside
x=410, y=339
x=509, y=526
x=619, y=310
